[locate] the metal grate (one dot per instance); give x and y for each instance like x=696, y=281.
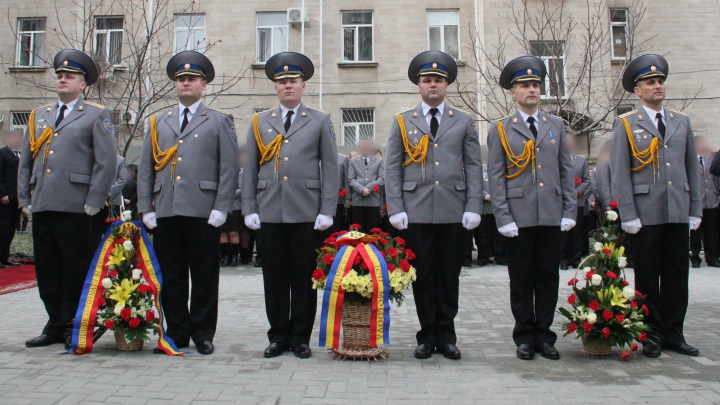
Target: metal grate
x=357, y=124
x=19, y=120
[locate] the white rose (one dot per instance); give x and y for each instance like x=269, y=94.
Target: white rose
x=128, y=245
x=136, y=274
x=596, y=279
x=622, y=262
x=591, y=318
x=107, y=283
x=628, y=293
x=598, y=247
x=127, y=215
x=611, y=215
x=605, y=235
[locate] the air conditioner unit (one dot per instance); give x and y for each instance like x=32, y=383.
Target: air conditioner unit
x=130, y=117
x=296, y=15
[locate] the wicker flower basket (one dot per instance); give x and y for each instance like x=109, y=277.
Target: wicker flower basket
x=124, y=345
x=601, y=348
x=356, y=334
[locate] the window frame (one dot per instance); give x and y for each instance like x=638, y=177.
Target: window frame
x=272, y=33
x=442, y=30
x=629, y=108
x=356, y=38
x=343, y=125
x=107, y=37
x=13, y=114
x=19, y=45
x=613, y=24
x=547, y=83
x=188, y=29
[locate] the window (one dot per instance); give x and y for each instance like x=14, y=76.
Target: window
x=623, y=109
x=108, y=38
x=272, y=35
x=190, y=33
x=618, y=26
x=31, y=42
x=357, y=32
x=443, y=32
x=19, y=120
x=553, y=54
x=357, y=124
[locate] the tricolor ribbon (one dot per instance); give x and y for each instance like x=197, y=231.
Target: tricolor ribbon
x=354, y=244
x=93, y=291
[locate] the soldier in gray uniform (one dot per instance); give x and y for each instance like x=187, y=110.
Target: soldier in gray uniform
x=533, y=197
x=706, y=235
x=433, y=181
x=67, y=166
x=656, y=181
x=290, y=193
x=187, y=177
x=366, y=173
x=574, y=239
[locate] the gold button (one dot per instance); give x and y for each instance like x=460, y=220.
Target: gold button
x=285, y=178
x=542, y=185
x=667, y=164
x=539, y=167
x=437, y=163
x=435, y=145
x=180, y=141
x=286, y=141
x=669, y=183
x=177, y=178
x=705, y=181
x=48, y=170
x=365, y=171
x=51, y=152
x=179, y=159
x=55, y=134
x=286, y=159
x=196, y=135
x=537, y=149
x=665, y=146
x=437, y=183
x=365, y=178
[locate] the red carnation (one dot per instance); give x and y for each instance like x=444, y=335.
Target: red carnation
x=385, y=207
x=376, y=188
x=573, y=281
x=587, y=326
x=409, y=254
x=134, y=323
x=400, y=241
x=318, y=274
x=328, y=259
x=607, y=251
x=634, y=347
x=150, y=316
x=382, y=241
x=357, y=260
x=109, y=324
x=646, y=310
x=578, y=181
x=390, y=267
x=614, y=205
x=343, y=193
x=391, y=252
x=125, y=313
x=405, y=265
x=594, y=305
x=589, y=274
x=143, y=289
x=354, y=227
x=113, y=274
x=638, y=294
x=624, y=355
x=571, y=299
x=633, y=304
x=605, y=333
x=363, y=265
x=330, y=240
x=335, y=234
x=625, y=283
x=572, y=328
x=607, y=315
x=611, y=274
x=620, y=318
x=642, y=338
x=376, y=230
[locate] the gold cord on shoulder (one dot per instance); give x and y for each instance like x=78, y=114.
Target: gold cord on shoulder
x=645, y=157
x=162, y=157
x=272, y=149
x=520, y=162
x=45, y=138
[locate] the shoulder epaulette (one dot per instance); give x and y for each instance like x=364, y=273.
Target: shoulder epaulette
x=218, y=110
x=678, y=112
x=627, y=114
x=404, y=111
x=504, y=118
x=44, y=106
x=163, y=111
x=264, y=111
x=100, y=106
x=318, y=110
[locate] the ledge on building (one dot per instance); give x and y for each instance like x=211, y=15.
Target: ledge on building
x=258, y=66
x=347, y=64
x=460, y=62
x=619, y=61
x=27, y=69
x=119, y=68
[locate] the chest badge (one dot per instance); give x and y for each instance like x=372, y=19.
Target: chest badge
x=552, y=137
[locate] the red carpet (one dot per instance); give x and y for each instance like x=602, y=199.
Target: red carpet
x=17, y=278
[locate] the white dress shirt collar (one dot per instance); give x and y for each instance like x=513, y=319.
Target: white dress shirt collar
x=70, y=107
x=193, y=109
x=426, y=112
x=285, y=110
x=525, y=117
x=652, y=113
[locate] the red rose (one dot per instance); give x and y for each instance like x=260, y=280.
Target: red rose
x=400, y=241
x=620, y=318
x=573, y=281
x=594, y=305
x=572, y=328
x=330, y=240
x=125, y=313
x=144, y=288
x=382, y=241
x=633, y=304
x=642, y=338
x=605, y=333
x=328, y=259
x=607, y=315
x=391, y=252
x=318, y=274
x=614, y=205
x=624, y=355
x=134, y=323
x=587, y=326
x=578, y=181
x=405, y=265
x=634, y=347
x=571, y=299
x=645, y=310
x=589, y=274
x=150, y=316
x=376, y=188
x=409, y=254
x=109, y=324
x=113, y=274
x=611, y=274
x=607, y=251
x=390, y=267
x=625, y=283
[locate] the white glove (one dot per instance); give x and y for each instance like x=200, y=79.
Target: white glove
x=150, y=220
x=252, y=221
x=399, y=220
x=323, y=222
x=566, y=224
x=471, y=220
x=695, y=223
x=632, y=227
x=510, y=230
x=91, y=210
x=27, y=210
x=217, y=218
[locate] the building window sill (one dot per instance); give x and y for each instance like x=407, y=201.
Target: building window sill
x=348, y=64
x=28, y=69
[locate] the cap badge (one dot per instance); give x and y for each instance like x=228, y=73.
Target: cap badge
x=65, y=63
x=434, y=65
x=529, y=71
x=285, y=68
x=303, y=114
x=187, y=66
x=653, y=68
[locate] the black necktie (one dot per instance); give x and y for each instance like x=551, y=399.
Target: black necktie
x=61, y=115
x=702, y=164
x=288, y=120
x=533, y=129
x=433, y=121
x=186, y=111
x=661, y=125
x=366, y=161
x=17, y=153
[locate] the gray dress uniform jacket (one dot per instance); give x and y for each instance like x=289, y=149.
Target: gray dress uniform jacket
x=601, y=185
x=80, y=166
x=237, y=201
x=552, y=197
x=710, y=185
x=361, y=177
x=453, y=169
x=672, y=194
x=206, y=170
x=342, y=169
x=487, y=205
x=582, y=172
x=117, y=187
x=307, y=180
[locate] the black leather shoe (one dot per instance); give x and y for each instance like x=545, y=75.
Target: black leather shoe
x=11, y=263
x=714, y=264
x=275, y=349
x=548, y=351
x=224, y=261
x=501, y=262
x=424, y=351
x=525, y=352
x=563, y=267
x=302, y=351
x=258, y=262
x=696, y=265
x=44, y=340
x=233, y=261
x=467, y=263
x=682, y=348
x=482, y=263
x=205, y=347
x=68, y=342
x=652, y=350
x=2, y=266
x=450, y=351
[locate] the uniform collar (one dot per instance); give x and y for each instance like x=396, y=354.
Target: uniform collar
x=192, y=108
x=70, y=106
x=285, y=110
x=426, y=108
x=525, y=117
x=652, y=113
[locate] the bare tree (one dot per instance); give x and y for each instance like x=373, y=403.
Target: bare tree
x=131, y=60
x=583, y=86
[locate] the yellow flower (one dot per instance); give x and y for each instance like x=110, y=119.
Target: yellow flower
x=121, y=292
x=614, y=295
x=117, y=256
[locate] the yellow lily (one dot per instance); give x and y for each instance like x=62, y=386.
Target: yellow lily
x=121, y=292
x=614, y=295
x=117, y=256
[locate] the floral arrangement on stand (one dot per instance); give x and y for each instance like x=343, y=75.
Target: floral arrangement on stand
x=606, y=311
